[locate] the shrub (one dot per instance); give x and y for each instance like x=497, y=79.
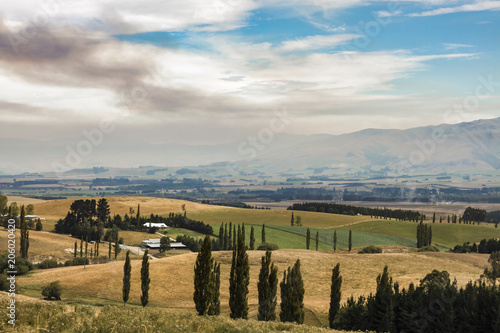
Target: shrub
x=39, y=226
x=430, y=248
x=77, y=261
x=371, y=249
x=267, y=247
x=23, y=266
x=48, y=263
x=53, y=290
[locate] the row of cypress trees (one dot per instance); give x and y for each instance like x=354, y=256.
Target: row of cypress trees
x=145, y=280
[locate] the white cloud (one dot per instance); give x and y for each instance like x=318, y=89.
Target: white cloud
x=473, y=7
x=316, y=42
x=453, y=46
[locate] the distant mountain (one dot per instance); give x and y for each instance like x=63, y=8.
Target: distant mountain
x=464, y=147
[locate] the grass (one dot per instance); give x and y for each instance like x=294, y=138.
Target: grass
x=172, y=278
x=275, y=217
x=37, y=316
x=443, y=234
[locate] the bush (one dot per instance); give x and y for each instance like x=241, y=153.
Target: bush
x=430, y=248
x=48, y=263
x=53, y=290
x=267, y=247
x=39, y=226
x=23, y=266
x=77, y=261
x=371, y=249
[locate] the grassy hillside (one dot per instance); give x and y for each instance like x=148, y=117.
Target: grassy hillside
x=38, y=316
x=57, y=209
x=444, y=234
x=276, y=217
x=172, y=278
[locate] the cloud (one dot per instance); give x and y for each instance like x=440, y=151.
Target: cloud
x=452, y=46
x=316, y=42
x=474, y=7
x=385, y=13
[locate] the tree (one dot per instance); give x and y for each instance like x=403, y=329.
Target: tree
x=298, y=221
x=350, y=240
x=103, y=210
x=292, y=295
x=25, y=235
x=3, y=203
x=308, y=238
x=317, y=240
x=221, y=237
x=263, y=238
x=76, y=250
x=335, y=240
x=115, y=233
x=230, y=237
x=494, y=273
x=434, y=217
x=164, y=244
x=335, y=295
x=252, y=239
x=292, y=220
x=267, y=287
x=226, y=238
x=381, y=312
x=39, y=225
x=205, y=279
x=81, y=247
x=127, y=269
x=145, y=280
x=109, y=250
x=14, y=209
x=30, y=209
x=53, y=290
x=239, y=280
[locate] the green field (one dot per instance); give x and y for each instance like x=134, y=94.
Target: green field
x=275, y=217
x=443, y=234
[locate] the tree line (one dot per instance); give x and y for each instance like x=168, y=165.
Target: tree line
x=334, y=208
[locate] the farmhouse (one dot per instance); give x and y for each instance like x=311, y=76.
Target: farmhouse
x=33, y=218
x=155, y=244
x=160, y=226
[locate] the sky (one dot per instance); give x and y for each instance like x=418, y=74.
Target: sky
x=210, y=72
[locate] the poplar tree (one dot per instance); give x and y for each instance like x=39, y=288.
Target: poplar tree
x=434, y=217
x=214, y=309
x=76, y=249
x=127, y=269
x=252, y=238
x=230, y=237
x=145, y=280
x=86, y=245
x=109, y=250
x=81, y=247
x=335, y=240
x=335, y=295
x=263, y=238
x=267, y=287
x=308, y=238
x=239, y=280
x=350, y=240
x=221, y=237
x=317, y=240
x=225, y=237
x=292, y=220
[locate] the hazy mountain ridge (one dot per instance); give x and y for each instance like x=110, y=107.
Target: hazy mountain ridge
x=464, y=147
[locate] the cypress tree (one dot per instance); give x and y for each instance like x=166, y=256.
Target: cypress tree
x=335, y=295
x=292, y=295
x=285, y=315
x=252, y=239
x=226, y=238
x=440, y=219
x=81, y=248
x=91, y=253
x=429, y=236
x=308, y=238
x=434, y=217
x=238, y=281
x=317, y=240
x=235, y=239
x=230, y=237
x=350, y=240
x=292, y=220
x=221, y=237
x=145, y=280
x=267, y=287
x=127, y=269
x=214, y=309
x=263, y=240
x=335, y=240
x=109, y=250
x=86, y=245
x=97, y=248
x=381, y=313
x=76, y=249
x=204, y=288
x=243, y=232
x=25, y=234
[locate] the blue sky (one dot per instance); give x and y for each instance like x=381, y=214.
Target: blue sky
x=197, y=71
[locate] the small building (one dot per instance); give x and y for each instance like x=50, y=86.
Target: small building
x=33, y=218
x=159, y=226
x=153, y=243
x=177, y=246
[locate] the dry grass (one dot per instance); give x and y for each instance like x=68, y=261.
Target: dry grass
x=24, y=201
x=57, y=209
x=172, y=278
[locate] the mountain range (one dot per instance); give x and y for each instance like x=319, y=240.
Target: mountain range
x=463, y=148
